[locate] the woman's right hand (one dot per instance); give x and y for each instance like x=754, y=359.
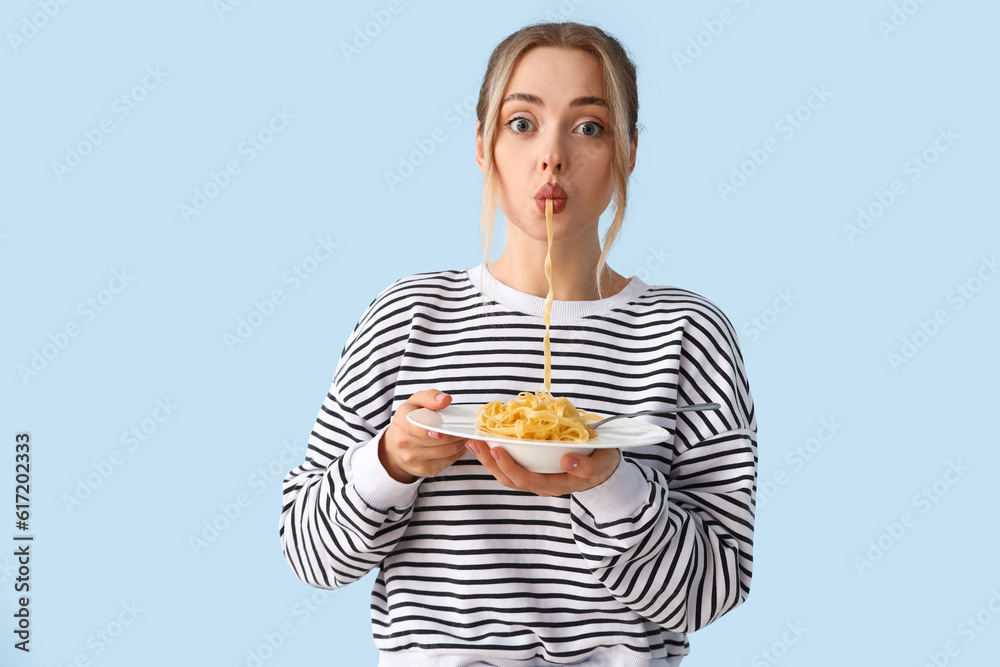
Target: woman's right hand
x=408, y=451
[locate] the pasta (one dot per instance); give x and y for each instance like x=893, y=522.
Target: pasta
x=539, y=416
x=547, y=308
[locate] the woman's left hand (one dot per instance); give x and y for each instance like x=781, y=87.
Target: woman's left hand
x=582, y=472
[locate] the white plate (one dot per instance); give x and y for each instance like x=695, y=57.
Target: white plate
x=460, y=421
x=537, y=455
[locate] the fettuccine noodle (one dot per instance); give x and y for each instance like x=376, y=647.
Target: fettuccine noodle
x=547, y=308
x=539, y=416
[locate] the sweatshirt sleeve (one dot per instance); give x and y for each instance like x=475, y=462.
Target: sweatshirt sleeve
x=676, y=546
x=341, y=511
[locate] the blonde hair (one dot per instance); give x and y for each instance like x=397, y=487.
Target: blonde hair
x=619, y=75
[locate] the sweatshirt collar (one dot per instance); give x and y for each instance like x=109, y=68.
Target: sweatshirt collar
x=562, y=311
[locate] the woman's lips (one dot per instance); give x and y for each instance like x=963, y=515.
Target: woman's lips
x=557, y=205
x=554, y=192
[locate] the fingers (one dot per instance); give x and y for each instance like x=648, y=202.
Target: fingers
x=581, y=472
x=413, y=444
x=511, y=475
x=429, y=464
x=519, y=478
x=416, y=450
x=417, y=436
x=432, y=399
x=487, y=458
x=576, y=465
x=598, y=466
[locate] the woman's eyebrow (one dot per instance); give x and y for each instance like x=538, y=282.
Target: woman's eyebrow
x=530, y=98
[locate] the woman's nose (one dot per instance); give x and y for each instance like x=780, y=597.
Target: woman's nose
x=553, y=156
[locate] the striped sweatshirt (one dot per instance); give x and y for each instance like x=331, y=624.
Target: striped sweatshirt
x=469, y=570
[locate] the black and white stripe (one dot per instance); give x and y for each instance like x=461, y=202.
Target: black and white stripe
x=471, y=566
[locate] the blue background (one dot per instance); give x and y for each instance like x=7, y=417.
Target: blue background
x=819, y=308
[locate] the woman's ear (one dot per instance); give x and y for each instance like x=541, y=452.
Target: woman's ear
x=480, y=155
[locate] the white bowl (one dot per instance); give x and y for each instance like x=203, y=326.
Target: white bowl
x=538, y=455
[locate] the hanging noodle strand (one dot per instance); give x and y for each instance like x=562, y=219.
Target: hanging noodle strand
x=539, y=416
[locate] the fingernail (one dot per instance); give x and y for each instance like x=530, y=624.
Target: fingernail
x=472, y=448
x=433, y=434
x=496, y=454
x=441, y=396
x=572, y=464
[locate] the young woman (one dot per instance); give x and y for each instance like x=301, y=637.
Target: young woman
x=480, y=562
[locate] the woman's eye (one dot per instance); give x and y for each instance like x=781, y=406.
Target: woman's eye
x=519, y=125
x=591, y=129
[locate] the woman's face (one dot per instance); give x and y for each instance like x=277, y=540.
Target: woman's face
x=554, y=127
